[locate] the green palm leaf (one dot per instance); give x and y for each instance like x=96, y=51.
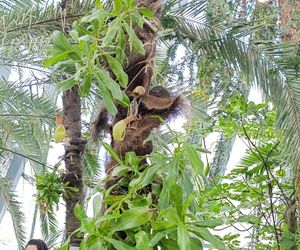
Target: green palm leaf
x=14, y=207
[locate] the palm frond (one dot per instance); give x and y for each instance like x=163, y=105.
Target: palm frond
x=25, y=121
x=48, y=224
x=269, y=67
x=14, y=207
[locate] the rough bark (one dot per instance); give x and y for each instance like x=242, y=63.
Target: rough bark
x=74, y=147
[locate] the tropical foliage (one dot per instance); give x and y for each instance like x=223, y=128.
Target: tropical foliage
x=178, y=196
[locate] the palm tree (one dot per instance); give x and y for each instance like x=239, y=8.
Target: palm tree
x=247, y=60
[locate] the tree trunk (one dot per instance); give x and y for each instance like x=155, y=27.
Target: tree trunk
x=74, y=147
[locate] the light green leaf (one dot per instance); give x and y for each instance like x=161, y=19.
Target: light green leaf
x=146, y=12
x=79, y=212
x=98, y=14
x=51, y=60
x=85, y=86
x=112, y=153
x=119, y=245
x=110, y=84
x=61, y=42
x=206, y=235
x=208, y=223
x=134, y=41
x=112, y=31
x=183, y=237
x=194, y=159
x=142, y=241
x=118, y=70
x=196, y=244
x=132, y=218
x=66, y=84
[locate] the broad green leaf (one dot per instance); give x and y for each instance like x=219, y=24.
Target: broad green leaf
x=107, y=98
x=132, y=218
x=117, y=7
x=146, y=12
x=79, y=212
x=194, y=159
x=134, y=41
x=51, y=60
x=188, y=201
x=208, y=223
x=151, y=172
x=206, y=235
x=160, y=235
x=120, y=170
x=176, y=198
x=112, y=153
x=61, y=42
x=110, y=84
x=196, y=244
x=98, y=14
x=111, y=199
x=112, y=31
x=85, y=85
x=118, y=70
x=88, y=224
x=119, y=245
x=120, y=50
x=64, y=246
x=142, y=241
x=183, y=237
x=66, y=84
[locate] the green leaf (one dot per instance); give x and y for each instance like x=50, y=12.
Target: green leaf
x=206, y=235
x=110, y=84
x=117, y=7
x=57, y=58
x=112, y=31
x=176, y=196
x=146, y=12
x=66, y=84
x=208, y=223
x=107, y=98
x=134, y=41
x=79, y=212
x=196, y=244
x=88, y=224
x=112, y=153
x=151, y=172
x=187, y=203
x=194, y=159
x=98, y=14
x=132, y=218
x=119, y=245
x=160, y=235
x=120, y=50
x=118, y=70
x=61, y=42
x=142, y=241
x=64, y=246
x=183, y=237
x=85, y=86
